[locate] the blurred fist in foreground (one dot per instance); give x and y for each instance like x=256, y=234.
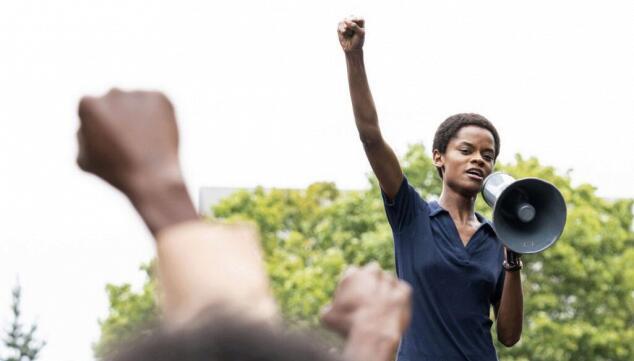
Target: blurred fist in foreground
x=126, y=137
x=130, y=140
x=369, y=301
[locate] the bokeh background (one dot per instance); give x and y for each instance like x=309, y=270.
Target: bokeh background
x=261, y=95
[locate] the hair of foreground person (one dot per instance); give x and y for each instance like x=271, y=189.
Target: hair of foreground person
x=223, y=338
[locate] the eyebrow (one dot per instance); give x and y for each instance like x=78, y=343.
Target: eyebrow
x=464, y=142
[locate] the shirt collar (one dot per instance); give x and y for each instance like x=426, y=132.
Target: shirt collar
x=486, y=223
x=435, y=209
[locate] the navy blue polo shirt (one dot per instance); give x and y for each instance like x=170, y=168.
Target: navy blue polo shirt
x=454, y=286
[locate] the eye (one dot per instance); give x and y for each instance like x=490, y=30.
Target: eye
x=464, y=151
x=487, y=157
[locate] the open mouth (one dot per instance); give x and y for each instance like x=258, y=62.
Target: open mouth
x=476, y=174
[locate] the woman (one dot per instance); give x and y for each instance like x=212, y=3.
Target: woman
x=449, y=254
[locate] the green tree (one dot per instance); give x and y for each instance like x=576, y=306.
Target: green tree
x=579, y=294
x=20, y=341
x=131, y=312
x=579, y=302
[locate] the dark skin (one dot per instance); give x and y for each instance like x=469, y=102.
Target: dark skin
x=469, y=158
x=130, y=140
x=472, y=149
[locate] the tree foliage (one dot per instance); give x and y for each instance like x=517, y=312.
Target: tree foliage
x=579, y=302
x=579, y=294
x=131, y=312
x=20, y=342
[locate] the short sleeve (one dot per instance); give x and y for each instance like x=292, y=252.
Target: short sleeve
x=401, y=210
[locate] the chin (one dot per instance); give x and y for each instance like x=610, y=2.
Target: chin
x=466, y=188
x=472, y=186
x=471, y=190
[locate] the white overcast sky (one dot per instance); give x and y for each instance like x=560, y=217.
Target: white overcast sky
x=262, y=99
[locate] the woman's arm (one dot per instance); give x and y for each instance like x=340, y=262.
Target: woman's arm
x=510, y=310
x=384, y=162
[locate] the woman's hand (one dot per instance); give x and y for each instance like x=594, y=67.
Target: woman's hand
x=351, y=33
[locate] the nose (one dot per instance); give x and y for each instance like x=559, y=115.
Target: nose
x=477, y=159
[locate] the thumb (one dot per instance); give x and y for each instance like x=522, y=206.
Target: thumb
x=328, y=318
x=354, y=28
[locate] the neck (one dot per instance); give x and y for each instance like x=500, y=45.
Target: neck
x=460, y=207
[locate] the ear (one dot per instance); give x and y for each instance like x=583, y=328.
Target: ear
x=438, y=159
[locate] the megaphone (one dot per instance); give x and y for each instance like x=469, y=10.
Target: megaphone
x=529, y=214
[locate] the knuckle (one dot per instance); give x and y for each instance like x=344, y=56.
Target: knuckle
x=347, y=278
x=86, y=102
x=374, y=269
x=115, y=91
x=164, y=99
x=406, y=288
x=138, y=95
x=159, y=98
x=325, y=314
x=388, y=279
x=86, y=106
x=82, y=163
x=350, y=271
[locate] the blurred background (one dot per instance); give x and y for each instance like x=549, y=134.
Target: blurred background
x=261, y=96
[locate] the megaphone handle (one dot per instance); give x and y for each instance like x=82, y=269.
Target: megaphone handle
x=512, y=257
x=512, y=262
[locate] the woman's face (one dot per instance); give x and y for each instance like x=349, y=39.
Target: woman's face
x=468, y=159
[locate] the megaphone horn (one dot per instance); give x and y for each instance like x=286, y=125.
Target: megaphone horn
x=529, y=214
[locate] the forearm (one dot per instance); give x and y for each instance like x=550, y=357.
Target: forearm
x=161, y=199
x=200, y=264
x=362, y=103
x=382, y=158
x=511, y=310
x=212, y=264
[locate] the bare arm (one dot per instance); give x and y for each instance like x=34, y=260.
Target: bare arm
x=130, y=140
x=203, y=264
x=510, y=310
x=382, y=159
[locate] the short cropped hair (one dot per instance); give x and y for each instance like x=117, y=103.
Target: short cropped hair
x=223, y=339
x=448, y=129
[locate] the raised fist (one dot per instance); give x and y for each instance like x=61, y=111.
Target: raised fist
x=128, y=137
x=371, y=300
x=351, y=33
